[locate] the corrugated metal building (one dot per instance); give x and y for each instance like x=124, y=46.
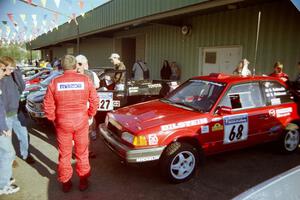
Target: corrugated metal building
x=216, y=34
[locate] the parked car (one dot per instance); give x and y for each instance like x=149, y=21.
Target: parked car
x=36, y=78
x=283, y=186
x=29, y=95
x=110, y=98
x=203, y=116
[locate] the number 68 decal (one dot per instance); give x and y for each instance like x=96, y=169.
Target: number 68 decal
x=235, y=128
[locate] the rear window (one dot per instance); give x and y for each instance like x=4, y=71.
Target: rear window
x=276, y=93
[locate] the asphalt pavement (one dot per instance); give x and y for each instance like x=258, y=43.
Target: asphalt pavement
x=221, y=177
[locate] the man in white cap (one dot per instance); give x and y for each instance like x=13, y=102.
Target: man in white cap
x=82, y=66
x=119, y=77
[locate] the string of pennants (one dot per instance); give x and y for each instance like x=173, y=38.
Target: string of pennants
x=12, y=32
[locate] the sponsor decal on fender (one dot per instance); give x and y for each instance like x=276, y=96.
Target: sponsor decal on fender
x=204, y=129
x=217, y=127
x=183, y=124
x=152, y=139
x=272, y=113
x=283, y=112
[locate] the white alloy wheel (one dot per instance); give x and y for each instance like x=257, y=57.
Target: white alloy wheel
x=291, y=140
x=182, y=165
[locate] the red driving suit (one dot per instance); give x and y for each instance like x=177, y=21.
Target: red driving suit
x=283, y=76
x=65, y=104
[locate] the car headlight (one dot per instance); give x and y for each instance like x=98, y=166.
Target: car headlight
x=139, y=140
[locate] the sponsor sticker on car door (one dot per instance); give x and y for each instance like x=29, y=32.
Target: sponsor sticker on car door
x=235, y=128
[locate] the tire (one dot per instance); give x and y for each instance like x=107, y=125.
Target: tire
x=179, y=162
x=290, y=141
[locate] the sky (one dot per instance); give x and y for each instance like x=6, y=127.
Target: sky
x=45, y=20
x=296, y=3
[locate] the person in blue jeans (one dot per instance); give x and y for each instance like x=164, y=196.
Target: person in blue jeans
x=12, y=87
x=7, y=151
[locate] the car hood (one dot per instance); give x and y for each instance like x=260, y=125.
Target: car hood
x=37, y=97
x=155, y=115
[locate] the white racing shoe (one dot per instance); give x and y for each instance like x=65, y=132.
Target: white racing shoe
x=9, y=189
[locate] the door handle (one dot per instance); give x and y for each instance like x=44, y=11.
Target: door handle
x=264, y=116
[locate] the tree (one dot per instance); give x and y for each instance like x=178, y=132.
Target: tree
x=18, y=52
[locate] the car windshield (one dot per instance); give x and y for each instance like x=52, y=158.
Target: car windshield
x=47, y=81
x=197, y=95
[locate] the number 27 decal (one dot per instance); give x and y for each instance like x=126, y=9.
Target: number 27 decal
x=235, y=128
x=104, y=104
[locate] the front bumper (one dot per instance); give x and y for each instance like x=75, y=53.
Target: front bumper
x=126, y=153
x=33, y=113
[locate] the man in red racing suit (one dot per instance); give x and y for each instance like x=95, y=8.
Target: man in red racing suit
x=70, y=101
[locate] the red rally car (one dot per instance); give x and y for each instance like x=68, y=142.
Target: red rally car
x=205, y=115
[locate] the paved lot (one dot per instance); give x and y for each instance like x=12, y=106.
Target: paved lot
x=222, y=177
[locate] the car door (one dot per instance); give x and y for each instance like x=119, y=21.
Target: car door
x=280, y=105
x=240, y=127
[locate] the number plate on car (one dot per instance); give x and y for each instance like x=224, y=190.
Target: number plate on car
x=105, y=101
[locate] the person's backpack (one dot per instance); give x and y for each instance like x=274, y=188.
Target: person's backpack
x=146, y=73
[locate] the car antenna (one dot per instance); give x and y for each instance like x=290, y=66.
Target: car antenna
x=256, y=42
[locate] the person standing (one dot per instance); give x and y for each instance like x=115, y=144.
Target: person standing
x=119, y=77
x=82, y=66
x=165, y=72
x=65, y=104
x=278, y=72
x=297, y=81
x=12, y=87
x=140, y=71
x=7, y=151
x=175, y=71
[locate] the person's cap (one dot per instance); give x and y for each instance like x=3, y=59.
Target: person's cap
x=81, y=59
x=114, y=56
x=68, y=62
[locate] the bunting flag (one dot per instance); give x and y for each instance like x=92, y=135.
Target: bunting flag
x=29, y=1
x=23, y=18
x=57, y=2
x=11, y=17
x=92, y=4
x=44, y=21
x=81, y=4
x=7, y=31
x=34, y=20
x=44, y=2
x=55, y=16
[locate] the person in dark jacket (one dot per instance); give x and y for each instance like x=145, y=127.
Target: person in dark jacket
x=12, y=87
x=7, y=152
x=165, y=72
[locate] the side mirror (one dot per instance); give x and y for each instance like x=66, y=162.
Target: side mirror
x=223, y=110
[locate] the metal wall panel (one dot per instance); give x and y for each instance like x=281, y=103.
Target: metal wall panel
x=111, y=13
x=279, y=38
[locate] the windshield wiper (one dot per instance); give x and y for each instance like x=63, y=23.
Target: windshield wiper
x=177, y=104
x=185, y=106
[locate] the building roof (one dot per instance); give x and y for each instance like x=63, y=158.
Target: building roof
x=122, y=13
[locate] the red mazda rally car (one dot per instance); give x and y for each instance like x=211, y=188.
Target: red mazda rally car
x=205, y=115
